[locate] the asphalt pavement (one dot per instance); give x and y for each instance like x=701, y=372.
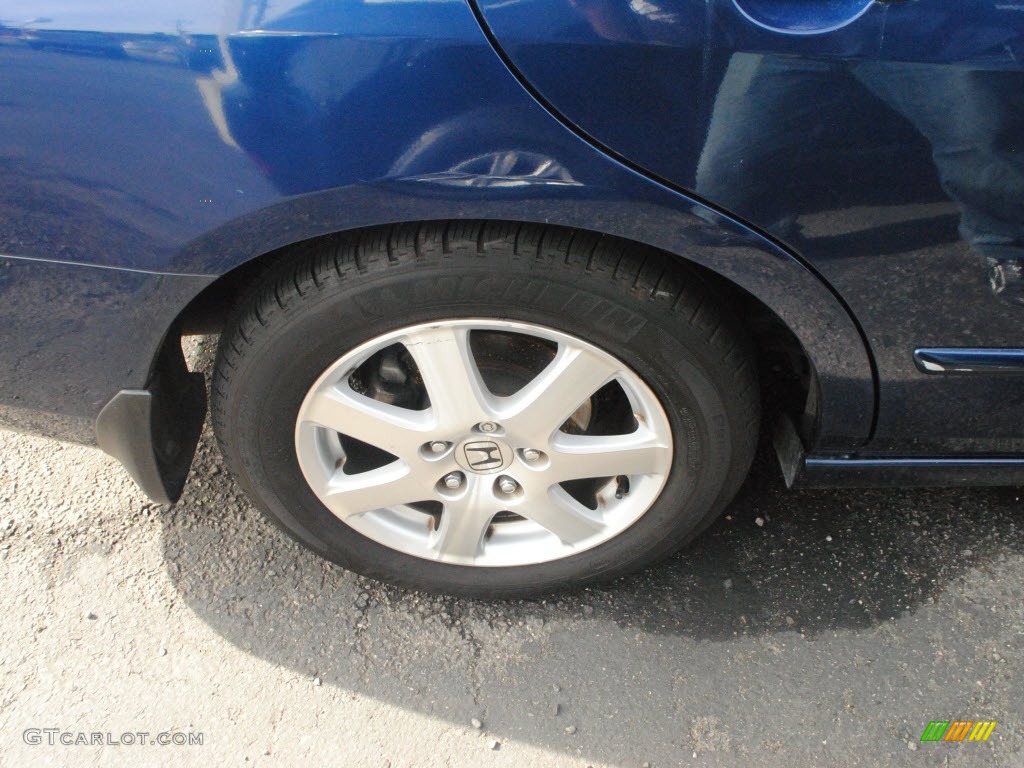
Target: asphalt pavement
x=804, y=628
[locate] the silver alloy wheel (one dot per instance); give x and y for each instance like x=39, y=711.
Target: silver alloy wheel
x=480, y=479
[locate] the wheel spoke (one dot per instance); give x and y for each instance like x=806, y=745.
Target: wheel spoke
x=395, y=430
x=561, y=514
x=461, y=533
x=387, y=486
x=458, y=395
x=543, y=405
x=579, y=456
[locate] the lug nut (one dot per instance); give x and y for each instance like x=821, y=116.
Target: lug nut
x=453, y=480
x=488, y=426
x=439, y=446
x=507, y=485
x=531, y=454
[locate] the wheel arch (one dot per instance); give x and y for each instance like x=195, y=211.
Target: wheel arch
x=808, y=339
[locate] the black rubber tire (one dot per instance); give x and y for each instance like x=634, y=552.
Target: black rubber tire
x=645, y=308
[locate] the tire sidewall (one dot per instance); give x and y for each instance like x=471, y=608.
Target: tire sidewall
x=313, y=331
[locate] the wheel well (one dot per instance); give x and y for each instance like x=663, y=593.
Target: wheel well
x=787, y=377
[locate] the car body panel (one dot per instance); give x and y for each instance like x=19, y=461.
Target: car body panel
x=72, y=336
x=881, y=142
x=186, y=154
x=147, y=153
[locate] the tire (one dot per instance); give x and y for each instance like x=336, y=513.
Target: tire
x=346, y=369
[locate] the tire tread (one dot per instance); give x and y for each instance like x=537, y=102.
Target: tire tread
x=670, y=289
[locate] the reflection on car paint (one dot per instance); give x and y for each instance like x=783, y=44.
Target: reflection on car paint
x=184, y=138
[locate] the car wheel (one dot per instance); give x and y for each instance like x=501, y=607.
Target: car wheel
x=486, y=409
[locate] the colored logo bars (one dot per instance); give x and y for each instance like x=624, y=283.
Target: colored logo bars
x=958, y=730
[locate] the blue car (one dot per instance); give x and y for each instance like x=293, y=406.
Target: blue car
x=507, y=290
